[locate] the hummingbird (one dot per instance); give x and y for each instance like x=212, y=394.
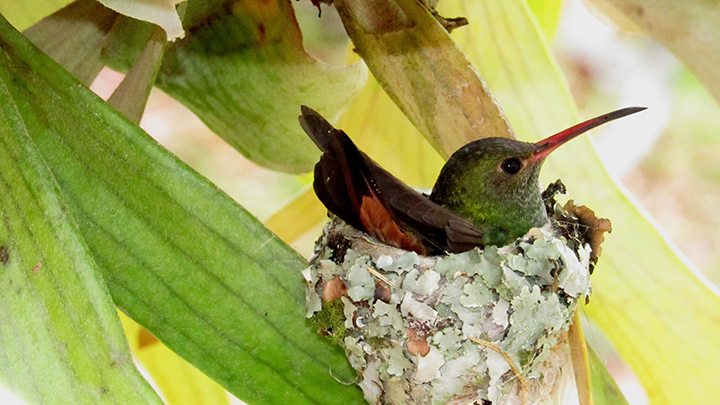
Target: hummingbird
x=487, y=193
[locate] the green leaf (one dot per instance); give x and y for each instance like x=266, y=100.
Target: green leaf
x=23, y=14
x=547, y=13
x=658, y=314
x=60, y=338
x=244, y=72
x=421, y=69
x=179, y=256
x=241, y=68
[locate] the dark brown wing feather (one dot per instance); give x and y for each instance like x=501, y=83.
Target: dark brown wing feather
x=344, y=184
x=366, y=196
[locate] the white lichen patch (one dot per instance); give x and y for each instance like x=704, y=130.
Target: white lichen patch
x=408, y=319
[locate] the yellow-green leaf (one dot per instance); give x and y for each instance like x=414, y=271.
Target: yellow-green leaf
x=419, y=66
x=547, y=13
x=244, y=72
x=659, y=315
x=23, y=14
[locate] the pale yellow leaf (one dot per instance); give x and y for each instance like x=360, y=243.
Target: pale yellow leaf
x=159, y=12
x=661, y=317
x=179, y=382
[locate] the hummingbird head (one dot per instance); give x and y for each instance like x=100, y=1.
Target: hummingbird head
x=494, y=181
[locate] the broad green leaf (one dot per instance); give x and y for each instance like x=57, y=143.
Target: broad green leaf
x=23, y=14
x=689, y=29
x=60, y=338
x=74, y=36
x=424, y=73
x=657, y=313
x=179, y=256
x=244, y=72
x=178, y=380
x=159, y=12
x=241, y=68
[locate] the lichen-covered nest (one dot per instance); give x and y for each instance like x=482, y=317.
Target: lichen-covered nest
x=483, y=325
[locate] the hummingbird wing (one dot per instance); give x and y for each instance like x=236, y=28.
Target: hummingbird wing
x=344, y=184
x=441, y=229
x=368, y=197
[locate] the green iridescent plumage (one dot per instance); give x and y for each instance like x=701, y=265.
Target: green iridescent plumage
x=474, y=185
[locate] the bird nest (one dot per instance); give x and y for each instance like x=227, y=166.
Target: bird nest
x=483, y=325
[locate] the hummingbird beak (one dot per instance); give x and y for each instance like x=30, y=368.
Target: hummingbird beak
x=547, y=145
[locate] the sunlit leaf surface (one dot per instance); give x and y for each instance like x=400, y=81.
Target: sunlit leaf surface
x=23, y=14
x=424, y=73
x=547, y=13
x=178, y=256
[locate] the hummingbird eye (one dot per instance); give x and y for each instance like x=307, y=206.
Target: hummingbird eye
x=511, y=165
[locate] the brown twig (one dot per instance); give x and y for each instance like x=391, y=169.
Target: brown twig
x=507, y=358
